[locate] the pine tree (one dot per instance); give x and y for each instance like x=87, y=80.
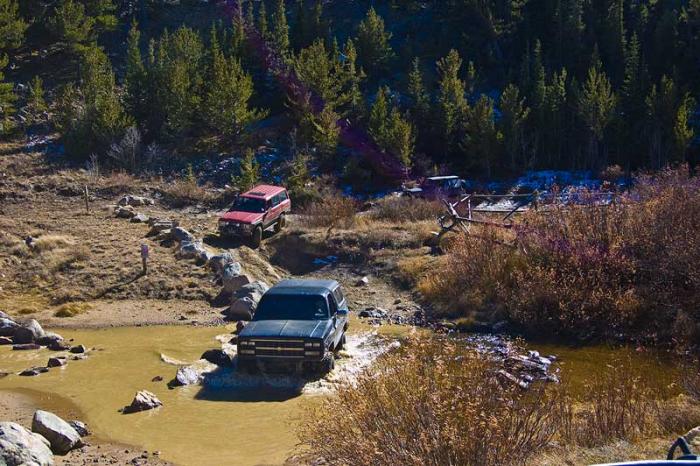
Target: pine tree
x=514, y=114
x=92, y=116
x=374, y=50
x=280, y=28
x=668, y=114
x=299, y=175
x=136, y=76
x=326, y=134
x=452, y=102
x=596, y=104
x=103, y=11
x=481, y=138
x=353, y=78
x=402, y=139
x=420, y=100
x=36, y=104
x=7, y=99
x=378, y=125
x=682, y=130
x=262, y=21
x=71, y=25
x=249, y=173
x=12, y=26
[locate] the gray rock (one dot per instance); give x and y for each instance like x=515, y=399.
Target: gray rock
x=5, y=341
x=49, y=339
x=139, y=218
x=59, y=346
x=56, y=362
x=4, y=315
x=29, y=332
x=241, y=309
x=34, y=371
x=159, y=226
x=62, y=437
x=130, y=200
x=20, y=447
x=364, y=281
x=8, y=327
x=219, y=261
x=204, y=257
x=182, y=235
x=124, y=212
x=232, y=279
x=190, y=250
x=26, y=346
x=218, y=357
x=143, y=401
x=78, y=349
x=80, y=427
x=253, y=290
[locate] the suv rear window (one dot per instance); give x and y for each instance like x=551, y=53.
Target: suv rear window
x=292, y=307
x=248, y=204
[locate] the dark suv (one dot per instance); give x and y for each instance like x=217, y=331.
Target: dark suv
x=297, y=327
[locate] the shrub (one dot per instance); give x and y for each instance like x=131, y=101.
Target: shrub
x=402, y=209
x=332, y=211
x=433, y=404
x=72, y=309
x=588, y=271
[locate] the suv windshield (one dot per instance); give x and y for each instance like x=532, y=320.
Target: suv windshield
x=292, y=307
x=248, y=204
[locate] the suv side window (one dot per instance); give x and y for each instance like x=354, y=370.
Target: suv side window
x=275, y=200
x=283, y=196
x=333, y=305
x=338, y=295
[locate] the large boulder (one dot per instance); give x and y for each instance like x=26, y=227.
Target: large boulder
x=130, y=200
x=62, y=437
x=80, y=427
x=218, y=357
x=218, y=262
x=232, y=277
x=159, y=226
x=190, y=250
x=143, y=401
x=18, y=446
x=241, y=309
x=7, y=327
x=29, y=332
x=192, y=374
x=253, y=290
x=182, y=235
x=50, y=339
x=124, y=212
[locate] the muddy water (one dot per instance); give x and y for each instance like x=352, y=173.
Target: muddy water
x=238, y=420
x=193, y=427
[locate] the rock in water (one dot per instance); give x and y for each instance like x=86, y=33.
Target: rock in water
x=143, y=401
x=79, y=349
x=62, y=437
x=80, y=427
x=19, y=447
x=5, y=341
x=26, y=346
x=56, y=362
x=50, y=339
x=8, y=327
x=33, y=371
x=218, y=357
x=29, y=332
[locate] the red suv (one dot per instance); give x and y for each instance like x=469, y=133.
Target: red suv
x=256, y=210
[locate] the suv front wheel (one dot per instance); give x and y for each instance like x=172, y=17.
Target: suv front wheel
x=281, y=222
x=256, y=238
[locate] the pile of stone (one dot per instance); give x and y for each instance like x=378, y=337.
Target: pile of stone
x=125, y=208
x=31, y=336
x=49, y=435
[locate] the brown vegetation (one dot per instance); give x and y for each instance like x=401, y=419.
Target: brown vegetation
x=437, y=403
x=587, y=271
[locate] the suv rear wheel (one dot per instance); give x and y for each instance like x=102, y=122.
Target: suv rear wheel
x=281, y=222
x=256, y=239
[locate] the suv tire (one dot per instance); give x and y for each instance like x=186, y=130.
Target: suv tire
x=328, y=364
x=341, y=344
x=256, y=238
x=281, y=223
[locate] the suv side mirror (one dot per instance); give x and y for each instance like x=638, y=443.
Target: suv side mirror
x=342, y=312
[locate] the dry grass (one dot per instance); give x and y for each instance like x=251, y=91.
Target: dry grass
x=402, y=209
x=435, y=403
x=332, y=211
x=72, y=309
x=50, y=242
x=184, y=192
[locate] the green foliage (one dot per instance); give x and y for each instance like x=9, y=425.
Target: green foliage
x=514, y=115
x=420, y=99
x=481, y=141
x=452, y=102
x=249, y=174
x=596, y=104
x=71, y=25
x=374, y=50
x=261, y=22
x=12, y=26
x=91, y=115
x=7, y=100
x=326, y=133
x=36, y=105
x=280, y=28
x=390, y=131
